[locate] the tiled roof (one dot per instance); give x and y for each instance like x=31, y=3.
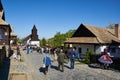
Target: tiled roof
x=82, y=40
x=102, y=35
x=2, y=22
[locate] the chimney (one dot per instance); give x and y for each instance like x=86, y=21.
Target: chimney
x=117, y=30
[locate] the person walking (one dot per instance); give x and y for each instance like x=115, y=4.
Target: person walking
x=61, y=57
x=47, y=62
x=79, y=53
x=28, y=49
x=55, y=54
x=18, y=53
x=72, y=55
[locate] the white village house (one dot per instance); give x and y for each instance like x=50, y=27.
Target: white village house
x=96, y=39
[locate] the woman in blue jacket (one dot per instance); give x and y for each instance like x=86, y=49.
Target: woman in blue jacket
x=47, y=62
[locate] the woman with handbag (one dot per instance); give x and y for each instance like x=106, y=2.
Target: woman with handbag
x=47, y=62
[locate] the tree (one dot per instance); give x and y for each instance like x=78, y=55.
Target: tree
x=111, y=26
x=43, y=42
x=59, y=38
x=20, y=41
x=87, y=56
x=70, y=33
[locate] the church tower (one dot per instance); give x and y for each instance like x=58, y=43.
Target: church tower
x=34, y=36
x=32, y=39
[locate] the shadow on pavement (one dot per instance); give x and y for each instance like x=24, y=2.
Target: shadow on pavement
x=67, y=66
x=41, y=69
x=54, y=67
x=4, y=70
x=94, y=66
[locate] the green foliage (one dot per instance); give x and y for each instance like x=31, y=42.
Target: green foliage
x=59, y=38
x=87, y=56
x=20, y=41
x=43, y=42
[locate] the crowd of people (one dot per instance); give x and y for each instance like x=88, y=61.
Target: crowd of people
x=60, y=55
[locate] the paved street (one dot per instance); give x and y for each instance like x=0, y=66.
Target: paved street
x=33, y=63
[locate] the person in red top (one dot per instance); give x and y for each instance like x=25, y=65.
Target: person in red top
x=105, y=59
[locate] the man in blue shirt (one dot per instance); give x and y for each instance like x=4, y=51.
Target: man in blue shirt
x=72, y=54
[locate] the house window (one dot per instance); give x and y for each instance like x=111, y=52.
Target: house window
x=2, y=36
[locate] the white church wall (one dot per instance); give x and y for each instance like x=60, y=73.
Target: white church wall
x=35, y=43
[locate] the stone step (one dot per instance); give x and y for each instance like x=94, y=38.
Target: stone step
x=18, y=76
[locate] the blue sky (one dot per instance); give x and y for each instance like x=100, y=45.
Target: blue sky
x=51, y=16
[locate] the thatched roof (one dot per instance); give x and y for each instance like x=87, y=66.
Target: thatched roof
x=82, y=40
x=97, y=35
x=1, y=13
x=2, y=22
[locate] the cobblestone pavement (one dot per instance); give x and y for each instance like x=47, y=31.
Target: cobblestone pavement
x=34, y=60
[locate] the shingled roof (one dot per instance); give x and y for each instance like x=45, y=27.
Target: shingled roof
x=2, y=22
x=93, y=35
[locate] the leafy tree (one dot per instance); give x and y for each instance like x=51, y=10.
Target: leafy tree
x=43, y=42
x=50, y=42
x=59, y=38
x=87, y=56
x=70, y=33
x=111, y=26
x=20, y=41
